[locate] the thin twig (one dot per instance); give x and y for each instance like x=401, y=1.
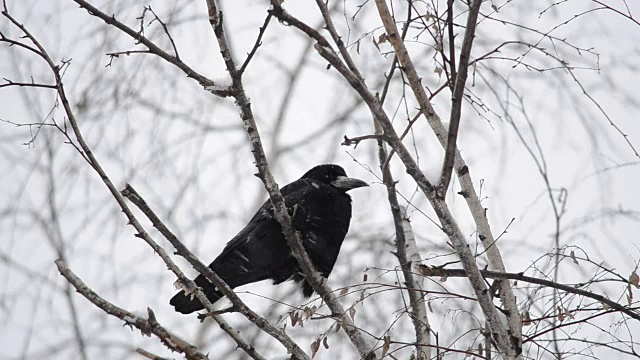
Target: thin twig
x=155, y=49
x=337, y=38
x=31, y=84
x=166, y=31
x=439, y=272
x=150, y=355
x=256, y=45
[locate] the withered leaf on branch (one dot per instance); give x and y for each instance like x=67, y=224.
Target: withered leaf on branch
x=526, y=319
x=573, y=256
x=560, y=314
x=309, y=311
x=295, y=317
x=385, y=346
x=438, y=70
x=314, y=347
x=352, y=313
x=383, y=38
x=634, y=279
x=569, y=314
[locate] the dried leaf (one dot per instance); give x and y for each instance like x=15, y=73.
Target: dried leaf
x=560, y=314
x=314, y=347
x=429, y=305
x=358, y=47
x=569, y=314
x=526, y=319
x=383, y=38
x=573, y=256
x=325, y=342
x=337, y=326
x=438, y=70
x=344, y=292
x=480, y=349
x=309, y=311
x=443, y=278
x=439, y=45
x=634, y=280
x=352, y=313
x=386, y=345
x=294, y=318
x=364, y=277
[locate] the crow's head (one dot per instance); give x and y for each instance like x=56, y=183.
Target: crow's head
x=335, y=176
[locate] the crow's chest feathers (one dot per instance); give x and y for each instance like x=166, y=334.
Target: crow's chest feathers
x=325, y=209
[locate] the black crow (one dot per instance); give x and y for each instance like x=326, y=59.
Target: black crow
x=320, y=210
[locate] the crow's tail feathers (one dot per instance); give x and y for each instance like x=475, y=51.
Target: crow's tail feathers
x=186, y=304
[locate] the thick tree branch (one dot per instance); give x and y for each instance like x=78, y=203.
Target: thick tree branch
x=409, y=258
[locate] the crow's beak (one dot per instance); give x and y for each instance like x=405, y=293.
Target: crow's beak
x=347, y=183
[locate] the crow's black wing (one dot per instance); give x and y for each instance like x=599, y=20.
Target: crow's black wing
x=264, y=218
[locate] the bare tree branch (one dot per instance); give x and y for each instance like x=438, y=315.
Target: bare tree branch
x=147, y=327
x=438, y=271
x=459, y=77
x=462, y=170
x=155, y=49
